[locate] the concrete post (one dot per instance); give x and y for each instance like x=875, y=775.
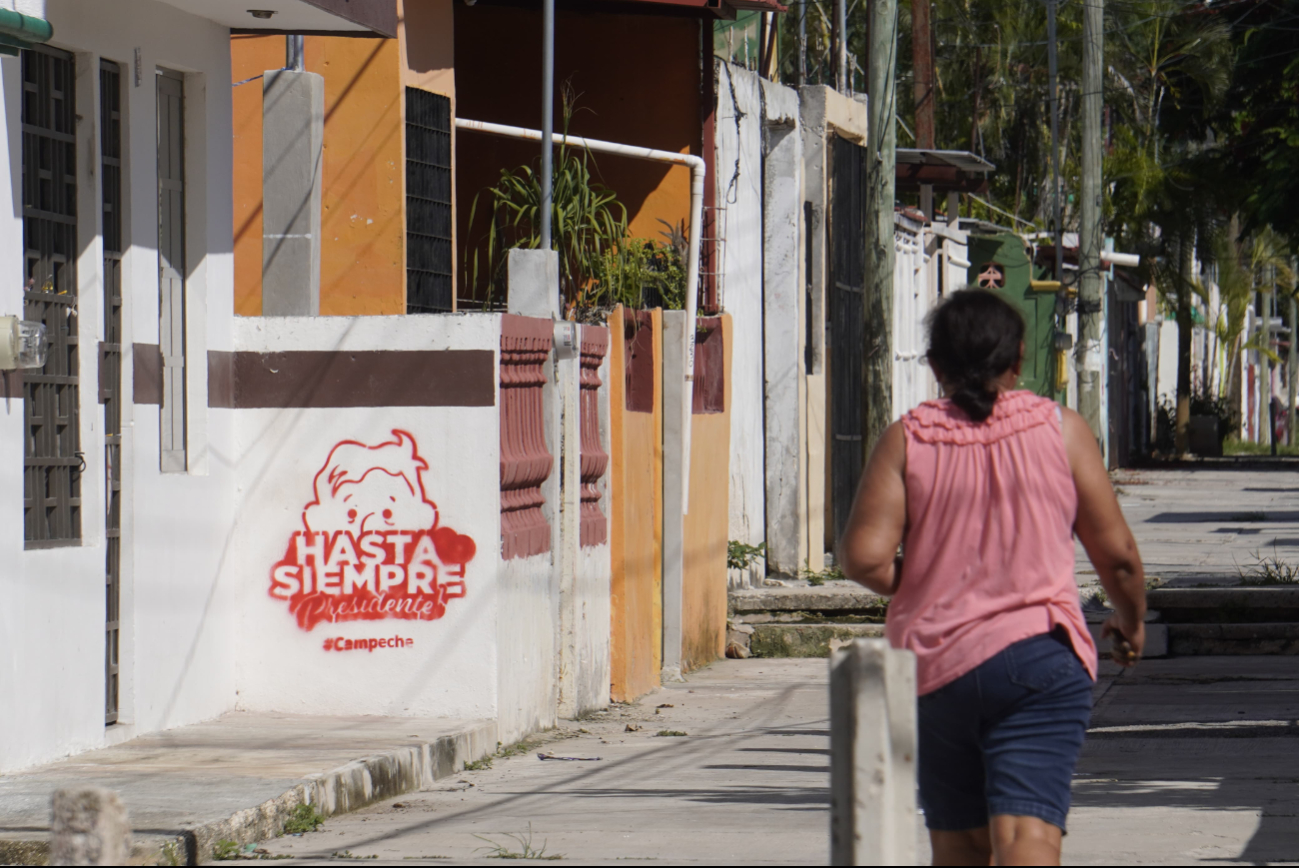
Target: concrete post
x=293, y=132
x=568, y=371
x=88, y=827
x=674, y=520
x=872, y=755
x=532, y=280
x=784, y=331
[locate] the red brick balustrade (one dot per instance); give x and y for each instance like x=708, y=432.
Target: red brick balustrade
x=595, y=461
x=525, y=461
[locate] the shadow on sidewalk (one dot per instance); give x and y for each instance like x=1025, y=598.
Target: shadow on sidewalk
x=1202, y=735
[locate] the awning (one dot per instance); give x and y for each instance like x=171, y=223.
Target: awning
x=18, y=31
x=945, y=171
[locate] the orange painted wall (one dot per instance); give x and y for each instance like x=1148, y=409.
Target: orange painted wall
x=636, y=526
x=703, y=592
x=362, y=261
x=249, y=56
x=637, y=76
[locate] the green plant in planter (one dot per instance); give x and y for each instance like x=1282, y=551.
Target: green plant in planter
x=637, y=273
x=587, y=220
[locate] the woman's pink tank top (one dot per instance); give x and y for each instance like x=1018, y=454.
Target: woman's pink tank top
x=989, y=554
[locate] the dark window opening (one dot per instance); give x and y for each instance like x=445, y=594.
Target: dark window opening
x=52, y=461
x=429, y=287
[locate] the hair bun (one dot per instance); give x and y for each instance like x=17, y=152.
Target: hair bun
x=976, y=399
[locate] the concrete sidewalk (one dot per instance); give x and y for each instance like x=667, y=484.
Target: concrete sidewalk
x=1203, y=523
x=745, y=783
x=239, y=777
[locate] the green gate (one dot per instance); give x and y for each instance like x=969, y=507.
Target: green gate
x=1009, y=252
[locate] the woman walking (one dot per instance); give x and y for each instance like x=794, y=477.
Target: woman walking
x=985, y=488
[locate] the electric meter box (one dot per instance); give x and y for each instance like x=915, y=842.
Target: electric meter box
x=22, y=344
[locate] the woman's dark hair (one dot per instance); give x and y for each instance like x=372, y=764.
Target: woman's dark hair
x=974, y=337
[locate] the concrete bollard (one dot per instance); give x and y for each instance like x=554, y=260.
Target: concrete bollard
x=88, y=827
x=872, y=755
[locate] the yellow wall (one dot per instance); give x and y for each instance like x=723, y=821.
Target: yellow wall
x=703, y=592
x=636, y=526
x=363, y=220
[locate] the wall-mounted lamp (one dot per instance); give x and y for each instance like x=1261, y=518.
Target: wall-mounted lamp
x=22, y=344
x=262, y=14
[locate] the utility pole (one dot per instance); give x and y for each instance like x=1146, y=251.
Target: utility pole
x=1091, y=292
x=923, y=64
x=1292, y=384
x=881, y=159
x=1266, y=434
x=842, y=82
x=1054, y=98
x=547, y=117
x=802, y=42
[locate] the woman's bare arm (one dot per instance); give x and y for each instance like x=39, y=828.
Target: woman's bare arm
x=869, y=546
x=1104, y=533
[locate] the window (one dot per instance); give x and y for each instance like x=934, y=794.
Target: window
x=428, y=202
x=171, y=266
x=52, y=462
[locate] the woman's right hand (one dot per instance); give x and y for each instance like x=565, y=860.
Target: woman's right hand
x=1129, y=636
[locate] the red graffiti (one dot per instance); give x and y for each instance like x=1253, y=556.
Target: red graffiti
x=371, y=547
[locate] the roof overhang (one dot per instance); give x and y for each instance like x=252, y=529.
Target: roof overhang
x=945, y=171
x=332, y=17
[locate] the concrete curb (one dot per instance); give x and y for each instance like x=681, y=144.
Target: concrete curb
x=349, y=787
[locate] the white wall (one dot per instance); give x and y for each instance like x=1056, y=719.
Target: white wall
x=739, y=191
x=178, y=624
x=451, y=669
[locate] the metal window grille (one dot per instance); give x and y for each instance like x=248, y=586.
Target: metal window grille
x=428, y=203
x=52, y=462
x=110, y=371
x=171, y=267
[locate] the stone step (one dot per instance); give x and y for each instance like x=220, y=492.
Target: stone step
x=807, y=640
x=840, y=599
x=1233, y=605
x=1216, y=639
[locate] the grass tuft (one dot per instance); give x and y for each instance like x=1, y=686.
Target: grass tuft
x=524, y=842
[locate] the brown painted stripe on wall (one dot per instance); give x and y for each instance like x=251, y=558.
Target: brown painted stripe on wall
x=11, y=384
x=377, y=378
x=220, y=378
x=147, y=374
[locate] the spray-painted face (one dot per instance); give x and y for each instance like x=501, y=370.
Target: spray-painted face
x=992, y=276
x=371, y=488
x=378, y=501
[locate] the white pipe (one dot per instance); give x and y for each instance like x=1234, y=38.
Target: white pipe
x=698, y=170
x=1127, y=260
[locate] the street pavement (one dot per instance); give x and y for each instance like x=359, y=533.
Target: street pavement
x=1189, y=759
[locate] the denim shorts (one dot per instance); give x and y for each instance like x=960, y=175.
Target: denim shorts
x=1005, y=737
